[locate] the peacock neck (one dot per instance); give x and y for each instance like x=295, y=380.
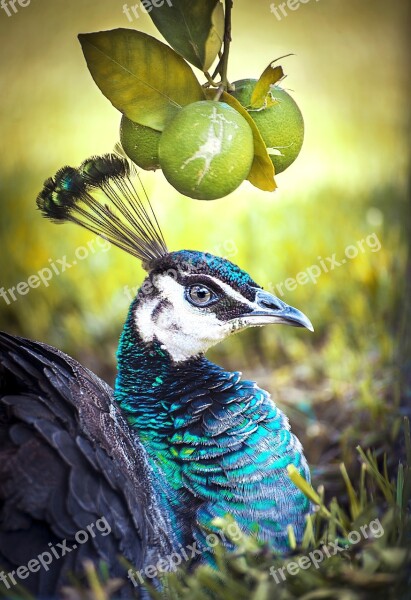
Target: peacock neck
x=152, y=390
x=149, y=383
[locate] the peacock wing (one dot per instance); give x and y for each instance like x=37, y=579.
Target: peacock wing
x=69, y=463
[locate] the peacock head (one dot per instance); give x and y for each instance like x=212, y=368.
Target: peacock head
x=190, y=300
x=193, y=300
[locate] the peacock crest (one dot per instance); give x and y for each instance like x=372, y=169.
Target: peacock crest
x=106, y=196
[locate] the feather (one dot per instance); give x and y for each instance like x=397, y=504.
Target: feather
x=102, y=197
x=68, y=458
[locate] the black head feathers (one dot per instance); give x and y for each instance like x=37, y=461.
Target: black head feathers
x=101, y=196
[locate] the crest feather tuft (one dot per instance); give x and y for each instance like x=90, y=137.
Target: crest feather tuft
x=102, y=197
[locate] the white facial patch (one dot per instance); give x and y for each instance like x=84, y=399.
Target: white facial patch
x=183, y=329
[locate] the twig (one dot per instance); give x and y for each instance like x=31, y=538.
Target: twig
x=227, y=41
x=221, y=68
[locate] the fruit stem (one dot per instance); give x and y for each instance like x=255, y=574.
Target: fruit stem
x=217, y=69
x=210, y=80
x=227, y=41
x=221, y=68
x=220, y=90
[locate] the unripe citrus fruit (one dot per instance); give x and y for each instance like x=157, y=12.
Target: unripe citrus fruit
x=206, y=151
x=140, y=143
x=281, y=125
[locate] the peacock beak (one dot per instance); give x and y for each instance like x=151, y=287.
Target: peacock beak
x=270, y=309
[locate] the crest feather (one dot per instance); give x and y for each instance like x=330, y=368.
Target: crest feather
x=102, y=197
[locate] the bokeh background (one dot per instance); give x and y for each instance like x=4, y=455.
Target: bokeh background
x=349, y=75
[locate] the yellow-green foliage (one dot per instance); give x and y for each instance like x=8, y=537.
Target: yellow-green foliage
x=351, y=306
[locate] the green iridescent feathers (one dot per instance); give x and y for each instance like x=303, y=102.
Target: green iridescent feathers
x=102, y=196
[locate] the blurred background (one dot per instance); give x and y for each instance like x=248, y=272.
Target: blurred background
x=349, y=75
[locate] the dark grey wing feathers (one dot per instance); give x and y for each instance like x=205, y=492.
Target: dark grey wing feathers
x=67, y=459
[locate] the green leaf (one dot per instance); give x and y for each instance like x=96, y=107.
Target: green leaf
x=385, y=485
x=309, y=533
x=354, y=504
x=260, y=97
x=407, y=435
x=261, y=174
x=215, y=36
x=400, y=486
x=142, y=77
x=194, y=28
x=303, y=485
x=291, y=537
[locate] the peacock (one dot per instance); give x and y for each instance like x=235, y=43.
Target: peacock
x=178, y=443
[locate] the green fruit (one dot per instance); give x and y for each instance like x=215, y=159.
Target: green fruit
x=207, y=150
x=140, y=143
x=281, y=125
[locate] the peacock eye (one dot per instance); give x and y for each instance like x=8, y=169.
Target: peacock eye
x=200, y=295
